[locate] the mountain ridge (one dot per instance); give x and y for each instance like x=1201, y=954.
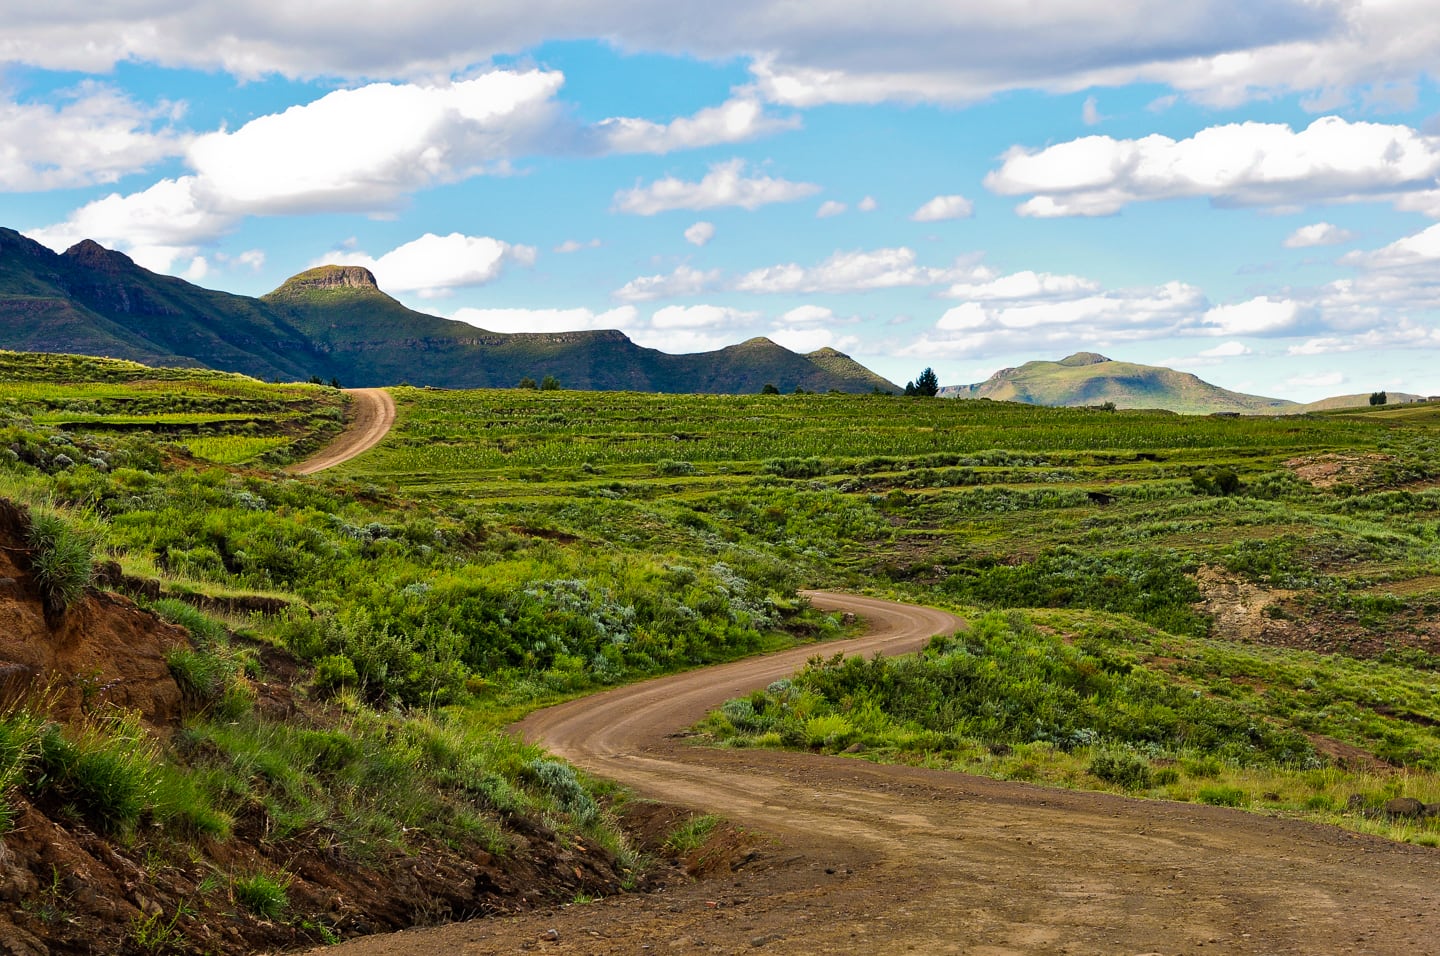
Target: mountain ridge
x=335, y=321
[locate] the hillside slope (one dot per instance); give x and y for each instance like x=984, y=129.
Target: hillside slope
x=335, y=322
x=1087, y=378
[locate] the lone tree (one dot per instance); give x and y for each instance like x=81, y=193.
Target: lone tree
x=549, y=384
x=1379, y=398
x=927, y=384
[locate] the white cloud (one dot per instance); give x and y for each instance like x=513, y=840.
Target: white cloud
x=868, y=204
x=807, y=315
x=434, y=265
x=1318, y=234
x=1088, y=318
x=1258, y=316
x=361, y=150
x=944, y=207
x=1422, y=249
x=804, y=340
x=1243, y=164
x=94, y=135
x=699, y=317
x=1090, y=112
x=682, y=282
x=857, y=271
x=724, y=185
x=547, y=320
x=985, y=285
x=365, y=149
x=198, y=269
x=575, y=245
x=734, y=121
x=1226, y=350
x=168, y=221
x=700, y=233
x=830, y=208
x=846, y=51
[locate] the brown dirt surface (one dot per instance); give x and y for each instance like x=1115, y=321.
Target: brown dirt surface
x=1327, y=471
x=371, y=413
x=853, y=857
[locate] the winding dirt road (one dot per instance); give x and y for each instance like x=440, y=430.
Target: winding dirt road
x=371, y=413
x=864, y=858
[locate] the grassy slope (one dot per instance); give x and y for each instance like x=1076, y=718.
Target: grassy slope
x=1081, y=380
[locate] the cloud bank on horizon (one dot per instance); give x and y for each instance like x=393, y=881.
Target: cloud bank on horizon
x=1248, y=189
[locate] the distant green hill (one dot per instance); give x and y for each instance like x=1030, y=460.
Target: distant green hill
x=335, y=322
x=1087, y=378
x=1359, y=400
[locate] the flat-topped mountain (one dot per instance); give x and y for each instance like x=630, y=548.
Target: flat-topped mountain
x=336, y=322
x=1088, y=378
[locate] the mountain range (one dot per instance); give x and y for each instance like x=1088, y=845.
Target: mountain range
x=335, y=322
x=1088, y=378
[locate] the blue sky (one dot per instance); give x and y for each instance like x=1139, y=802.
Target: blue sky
x=1246, y=191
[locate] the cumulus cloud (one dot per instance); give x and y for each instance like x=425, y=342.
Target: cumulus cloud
x=1318, y=234
x=807, y=315
x=857, y=271
x=367, y=148
x=1422, y=249
x=985, y=284
x=1261, y=315
x=361, y=150
x=700, y=233
x=809, y=339
x=944, y=207
x=547, y=320
x=868, y=204
x=1317, y=380
x=699, y=317
x=724, y=185
x=842, y=51
x=1239, y=164
x=1090, y=112
x=734, y=121
x=683, y=281
x=1096, y=319
x=435, y=265
x=829, y=208
x=575, y=245
x=94, y=135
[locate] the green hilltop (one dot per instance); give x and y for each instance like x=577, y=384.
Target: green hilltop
x=1088, y=378
x=335, y=322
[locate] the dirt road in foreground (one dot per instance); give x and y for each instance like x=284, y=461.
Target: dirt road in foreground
x=860, y=858
x=371, y=413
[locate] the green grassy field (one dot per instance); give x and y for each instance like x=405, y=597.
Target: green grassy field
x=1276, y=634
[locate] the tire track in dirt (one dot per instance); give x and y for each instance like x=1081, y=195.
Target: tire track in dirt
x=372, y=413
x=871, y=858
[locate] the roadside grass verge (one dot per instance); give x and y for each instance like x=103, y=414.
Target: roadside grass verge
x=1098, y=701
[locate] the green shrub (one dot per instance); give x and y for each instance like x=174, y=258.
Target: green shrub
x=691, y=834
x=261, y=894
x=1223, y=796
x=61, y=558
x=202, y=676
x=105, y=770
x=335, y=671
x=559, y=781
x=1122, y=768
x=19, y=743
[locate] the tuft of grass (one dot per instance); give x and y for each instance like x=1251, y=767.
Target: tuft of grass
x=104, y=768
x=1223, y=796
x=61, y=558
x=691, y=834
x=261, y=894
x=19, y=744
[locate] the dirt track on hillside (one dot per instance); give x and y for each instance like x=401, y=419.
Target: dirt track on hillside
x=371, y=413
x=860, y=858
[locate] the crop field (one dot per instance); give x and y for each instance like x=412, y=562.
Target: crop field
x=1227, y=610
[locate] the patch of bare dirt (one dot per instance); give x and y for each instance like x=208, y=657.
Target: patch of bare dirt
x=1327, y=471
x=1247, y=613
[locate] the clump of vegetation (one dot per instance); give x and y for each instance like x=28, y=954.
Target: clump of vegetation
x=262, y=894
x=103, y=770
x=61, y=558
